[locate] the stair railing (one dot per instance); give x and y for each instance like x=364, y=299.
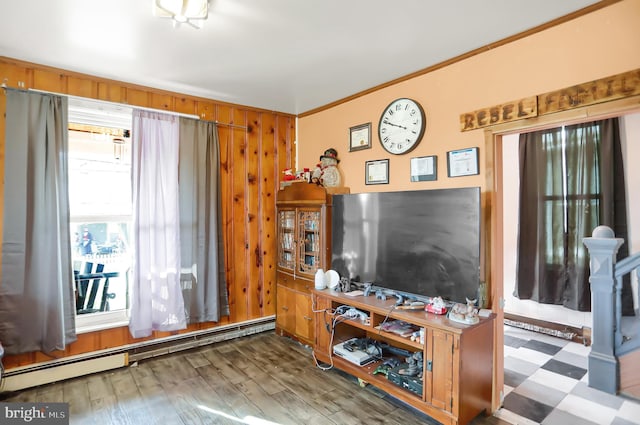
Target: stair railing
x=606, y=294
x=622, y=268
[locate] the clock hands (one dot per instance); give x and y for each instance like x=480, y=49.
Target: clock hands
x=395, y=125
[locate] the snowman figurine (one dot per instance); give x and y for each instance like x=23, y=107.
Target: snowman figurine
x=326, y=173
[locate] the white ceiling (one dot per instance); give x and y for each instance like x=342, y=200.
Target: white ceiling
x=284, y=55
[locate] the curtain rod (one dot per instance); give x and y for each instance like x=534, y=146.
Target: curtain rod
x=180, y=114
x=244, y=127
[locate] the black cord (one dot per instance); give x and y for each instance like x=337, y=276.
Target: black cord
x=393, y=306
x=336, y=320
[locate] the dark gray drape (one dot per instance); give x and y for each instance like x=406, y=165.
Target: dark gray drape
x=203, y=276
x=613, y=201
x=541, y=226
x=566, y=190
x=37, y=311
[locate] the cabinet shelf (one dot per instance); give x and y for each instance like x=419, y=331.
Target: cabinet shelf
x=365, y=373
x=390, y=336
x=377, y=333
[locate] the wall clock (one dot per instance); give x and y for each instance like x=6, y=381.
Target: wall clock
x=401, y=126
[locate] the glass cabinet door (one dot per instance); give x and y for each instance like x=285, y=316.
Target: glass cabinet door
x=309, y=241
x=286, y=238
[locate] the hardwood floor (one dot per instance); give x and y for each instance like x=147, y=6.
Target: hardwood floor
x=259, y=379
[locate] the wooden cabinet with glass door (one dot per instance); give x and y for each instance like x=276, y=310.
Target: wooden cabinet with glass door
x=304, y=243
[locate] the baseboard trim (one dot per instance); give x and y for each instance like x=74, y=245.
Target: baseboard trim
x=580, y=335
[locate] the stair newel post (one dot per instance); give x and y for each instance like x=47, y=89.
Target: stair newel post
x=603, y=364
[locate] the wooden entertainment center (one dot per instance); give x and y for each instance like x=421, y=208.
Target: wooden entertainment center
x=457, y=358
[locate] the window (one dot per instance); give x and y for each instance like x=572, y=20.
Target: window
x=572, y=188
x=100, y=211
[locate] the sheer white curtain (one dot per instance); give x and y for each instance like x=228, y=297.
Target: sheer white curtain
x=157, y=302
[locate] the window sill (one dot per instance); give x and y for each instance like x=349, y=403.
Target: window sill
x=100, y=321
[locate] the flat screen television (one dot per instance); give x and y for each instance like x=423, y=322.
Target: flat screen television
x=423, y=242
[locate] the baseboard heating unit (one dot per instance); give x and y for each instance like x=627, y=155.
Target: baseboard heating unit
x=61, y=372
x=355, y=356
x=99, y=361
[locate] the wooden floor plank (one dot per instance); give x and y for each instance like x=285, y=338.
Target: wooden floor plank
x=110, y=409
x=196, y=401
x=99, y=386
x=49, y=394
x=222, y=361
x=271, y=408
x=296, y=407
x=76, y=393
x=196, y=359
x=231, y=394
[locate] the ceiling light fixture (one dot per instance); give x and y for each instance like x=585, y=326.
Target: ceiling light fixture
x=192, y=12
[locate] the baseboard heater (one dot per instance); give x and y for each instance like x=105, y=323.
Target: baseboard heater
x=99, y=361
x=559, y=331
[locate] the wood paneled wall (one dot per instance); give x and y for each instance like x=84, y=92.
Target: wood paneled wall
x=255, y=145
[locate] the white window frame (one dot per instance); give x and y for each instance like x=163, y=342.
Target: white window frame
x=101, y=114
x=108, y=319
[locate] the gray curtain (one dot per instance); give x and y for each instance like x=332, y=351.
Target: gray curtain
x=37, y=311
x=203, y=276
x=567, y=188
x=540, y=275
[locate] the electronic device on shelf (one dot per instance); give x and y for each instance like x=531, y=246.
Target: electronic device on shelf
x=411, y=383
x=409, y=374
x=352, y=313
x=354, y=355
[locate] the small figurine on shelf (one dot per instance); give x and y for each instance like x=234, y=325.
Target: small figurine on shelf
x=303, y=175
x=436, y=305
x=465, y=313
x=288, y=175
x=326, y=172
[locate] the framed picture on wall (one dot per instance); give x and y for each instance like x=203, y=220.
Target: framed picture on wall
x=376, y=172
x=424, y=168
x=360, y=137
x=463, y=162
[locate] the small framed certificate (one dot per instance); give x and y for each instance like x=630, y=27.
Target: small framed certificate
x=463, y=162
x=360, y=137
x=376, y=172
x=424, y=169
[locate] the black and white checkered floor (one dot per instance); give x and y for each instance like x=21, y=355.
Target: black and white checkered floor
x=546, y=382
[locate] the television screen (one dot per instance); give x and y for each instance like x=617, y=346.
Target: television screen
x=424, y=242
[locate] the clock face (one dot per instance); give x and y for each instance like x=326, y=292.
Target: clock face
x=401, y=126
